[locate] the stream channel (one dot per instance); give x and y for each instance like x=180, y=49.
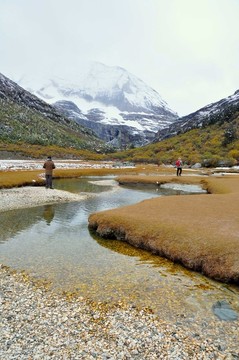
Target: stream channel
x=53, y=243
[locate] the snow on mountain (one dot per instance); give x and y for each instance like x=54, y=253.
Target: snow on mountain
x=106, y=97
x=220, y=111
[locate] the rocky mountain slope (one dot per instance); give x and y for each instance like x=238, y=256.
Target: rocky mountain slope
x=26, y=118
x=218, y=112
x=119, y=107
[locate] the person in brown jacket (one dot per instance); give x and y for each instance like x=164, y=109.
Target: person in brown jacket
x=49, y=166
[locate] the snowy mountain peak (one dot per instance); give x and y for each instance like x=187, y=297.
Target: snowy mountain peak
x=117, y=98
x=109, y=85
x=114, y=82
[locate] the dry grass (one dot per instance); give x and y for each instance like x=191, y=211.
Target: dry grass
x=13, y=178
x=9, y=179
x=199, y=231
x=73, y=173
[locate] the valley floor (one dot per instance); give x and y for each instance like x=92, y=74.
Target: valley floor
x=39, y=324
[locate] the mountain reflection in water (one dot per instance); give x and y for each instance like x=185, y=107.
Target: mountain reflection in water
x=53, y=242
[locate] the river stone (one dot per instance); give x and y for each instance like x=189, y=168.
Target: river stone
x=196, y=166
x=223, y=311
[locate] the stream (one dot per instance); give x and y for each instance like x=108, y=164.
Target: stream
x=53, y=243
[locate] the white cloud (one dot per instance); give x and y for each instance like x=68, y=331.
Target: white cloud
x=187, y=50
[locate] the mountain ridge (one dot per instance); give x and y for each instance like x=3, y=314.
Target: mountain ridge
x=219, y=111
x=24, y=117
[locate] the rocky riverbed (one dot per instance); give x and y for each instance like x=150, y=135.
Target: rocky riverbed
x=38, y=324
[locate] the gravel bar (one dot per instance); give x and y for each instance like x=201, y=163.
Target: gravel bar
x=30, y=196
x=37, y=323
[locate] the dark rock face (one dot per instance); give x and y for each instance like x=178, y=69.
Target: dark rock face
x=218, y=112
x=135, y=128
x=117, y=134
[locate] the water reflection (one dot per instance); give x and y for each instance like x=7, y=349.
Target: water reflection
x=48, y=213
x=184, y=188
x=66, y=254
x=12, y=224
x=89, y=184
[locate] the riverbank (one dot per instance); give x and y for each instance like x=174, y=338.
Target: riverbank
x=31, y=196
x=200, y=232
x=39, y=324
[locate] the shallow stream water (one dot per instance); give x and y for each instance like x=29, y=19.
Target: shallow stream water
x=52, y=242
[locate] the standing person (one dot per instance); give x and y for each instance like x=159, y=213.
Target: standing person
x=179, y=165
x=49, y=166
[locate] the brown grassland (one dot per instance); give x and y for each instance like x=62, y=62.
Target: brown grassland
x=200, y=231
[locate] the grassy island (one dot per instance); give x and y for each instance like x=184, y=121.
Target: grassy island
x=200, y=232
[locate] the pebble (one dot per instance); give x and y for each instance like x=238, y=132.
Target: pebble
x=40, y=324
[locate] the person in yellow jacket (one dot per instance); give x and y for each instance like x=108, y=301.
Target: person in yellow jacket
x=49, y=166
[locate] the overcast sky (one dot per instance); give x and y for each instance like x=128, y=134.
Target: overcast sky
x=187, y=50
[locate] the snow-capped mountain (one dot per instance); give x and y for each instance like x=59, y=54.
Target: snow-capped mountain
x=118, y=106
x=220, y=111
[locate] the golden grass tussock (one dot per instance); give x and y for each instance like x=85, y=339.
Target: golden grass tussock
x=71, y=173
x=199, y=231
x=9, y=179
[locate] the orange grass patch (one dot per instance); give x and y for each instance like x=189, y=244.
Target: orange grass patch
x=72, y=173
x=9, y=179
x=199, y=231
